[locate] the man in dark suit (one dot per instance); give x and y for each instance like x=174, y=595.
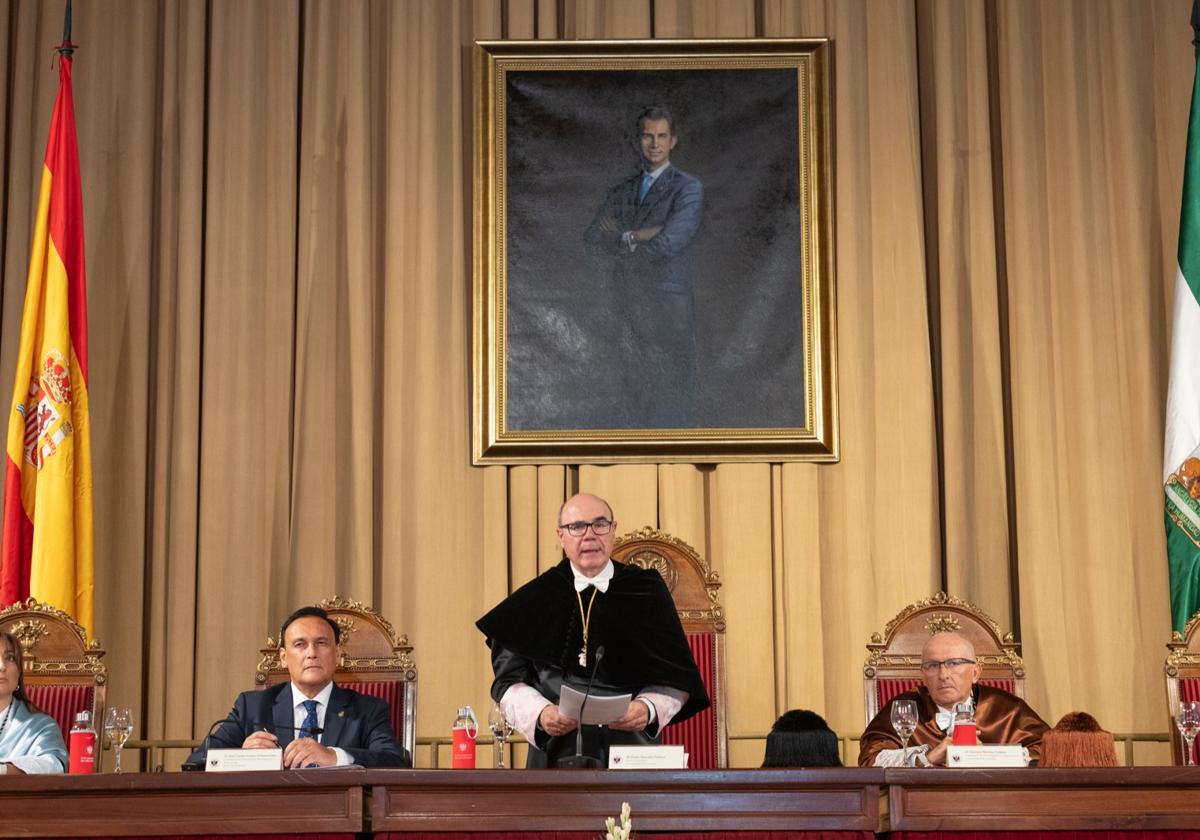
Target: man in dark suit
x=645, y=228
x=317, y=723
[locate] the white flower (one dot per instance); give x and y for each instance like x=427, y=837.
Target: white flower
x=619, y=832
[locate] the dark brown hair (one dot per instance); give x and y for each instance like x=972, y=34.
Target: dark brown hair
x=310, y=612
x=15, y=646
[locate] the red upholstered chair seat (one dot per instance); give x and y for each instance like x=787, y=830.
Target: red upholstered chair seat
x=698, y=734
x=1189, y=691
x=391, y=693
x=887, y=689
x=63, y=702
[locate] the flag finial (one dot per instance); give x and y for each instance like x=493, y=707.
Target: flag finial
x=66, y=49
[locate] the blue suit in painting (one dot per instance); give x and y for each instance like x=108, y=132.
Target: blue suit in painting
x=652, y=292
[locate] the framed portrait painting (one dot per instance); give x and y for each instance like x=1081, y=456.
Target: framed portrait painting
x=653, y=252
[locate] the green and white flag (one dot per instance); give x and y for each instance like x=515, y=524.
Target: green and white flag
x=1181, y=450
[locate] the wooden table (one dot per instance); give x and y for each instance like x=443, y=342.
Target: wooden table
x=470, y=801
x=403, y=804
x=1109, y=799
x=172, y=804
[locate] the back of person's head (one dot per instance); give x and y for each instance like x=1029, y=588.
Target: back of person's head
x=13, y=645
x=1078, y=741
x=801, y=738
x=310, y=612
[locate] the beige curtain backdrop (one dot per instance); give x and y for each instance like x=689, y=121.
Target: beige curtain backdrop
x=277, y=199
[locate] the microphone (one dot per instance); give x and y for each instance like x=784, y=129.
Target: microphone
x=579, y=761
x=191, y=766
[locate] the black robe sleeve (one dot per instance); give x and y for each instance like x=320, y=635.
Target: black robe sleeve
x=536, y=635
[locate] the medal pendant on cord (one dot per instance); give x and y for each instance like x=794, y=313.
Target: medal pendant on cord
x=586, y=619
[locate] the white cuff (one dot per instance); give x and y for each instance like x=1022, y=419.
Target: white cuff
x=889, y=758
x=664, y=702
x=522, y=705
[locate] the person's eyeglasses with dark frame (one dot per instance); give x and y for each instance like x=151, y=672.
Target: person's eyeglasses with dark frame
x=600, y=526
x=935, y=665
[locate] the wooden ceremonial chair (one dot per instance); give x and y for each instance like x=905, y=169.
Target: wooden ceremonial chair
x=693, y=586
x=375, y=661
x=893, y=663
x=1182, y=672
x=63, y=671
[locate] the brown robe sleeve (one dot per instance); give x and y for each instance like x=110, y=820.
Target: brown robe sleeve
x=1002, y=718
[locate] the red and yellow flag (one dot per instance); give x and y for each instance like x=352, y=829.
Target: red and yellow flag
x=47, y=537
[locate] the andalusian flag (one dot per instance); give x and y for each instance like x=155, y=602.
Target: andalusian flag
x=47, y=540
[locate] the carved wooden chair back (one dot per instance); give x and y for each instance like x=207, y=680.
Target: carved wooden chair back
x=694, y=588
x=375, y=661
x=1182, y=672
x=64, y=672
x=893, y=663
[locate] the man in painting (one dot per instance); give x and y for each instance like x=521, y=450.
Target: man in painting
x=645, y=229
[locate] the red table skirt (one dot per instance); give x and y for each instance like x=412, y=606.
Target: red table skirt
x=1043, y=835
x=593, y=835
x=350, y=836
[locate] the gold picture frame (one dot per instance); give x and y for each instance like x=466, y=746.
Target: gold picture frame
x=687, y=318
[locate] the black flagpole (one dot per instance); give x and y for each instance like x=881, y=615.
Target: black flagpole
x=67, y=49
x=1195, y=22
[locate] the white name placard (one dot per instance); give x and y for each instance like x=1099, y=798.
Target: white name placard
x=659, y=757
x=987, y=755
x=225, y=761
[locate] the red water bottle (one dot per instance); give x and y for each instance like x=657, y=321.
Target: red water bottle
x=466, y=727
x=83, y=744
x=965, y=732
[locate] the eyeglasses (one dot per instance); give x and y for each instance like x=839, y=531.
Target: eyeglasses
x=578, y=529
x=933, y=666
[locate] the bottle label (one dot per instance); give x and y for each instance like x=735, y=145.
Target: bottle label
x=83, y=751
x=464, y=748
x=964, y=735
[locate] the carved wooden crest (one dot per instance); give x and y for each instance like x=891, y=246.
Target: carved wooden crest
x=353, y=619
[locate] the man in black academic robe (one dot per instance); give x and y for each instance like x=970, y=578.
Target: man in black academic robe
x=547, y=633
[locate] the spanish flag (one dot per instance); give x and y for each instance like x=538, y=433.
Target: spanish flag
x=46, y=551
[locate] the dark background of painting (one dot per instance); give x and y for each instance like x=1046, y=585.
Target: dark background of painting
x=569, y=140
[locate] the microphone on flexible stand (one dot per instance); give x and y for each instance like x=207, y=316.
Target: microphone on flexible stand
x=579, y=761
x=188, y=766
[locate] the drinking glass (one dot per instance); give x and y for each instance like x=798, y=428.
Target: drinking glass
x=498, y=722
x=1188, y=721
x=118, y=726
x=904, y=721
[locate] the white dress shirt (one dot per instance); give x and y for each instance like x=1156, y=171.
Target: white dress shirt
x=300, y=714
